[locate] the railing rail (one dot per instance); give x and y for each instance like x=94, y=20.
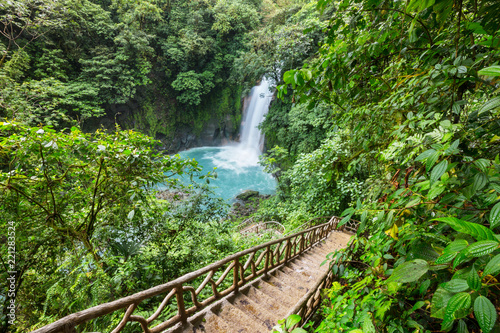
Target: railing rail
x=245, y=266
x=264, y=226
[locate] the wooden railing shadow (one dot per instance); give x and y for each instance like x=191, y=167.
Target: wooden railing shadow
x=195, y=291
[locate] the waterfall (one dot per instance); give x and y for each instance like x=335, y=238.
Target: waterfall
x=237, y=164
x=260, y=98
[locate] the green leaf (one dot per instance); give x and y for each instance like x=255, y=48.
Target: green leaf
x=490, y=71
x=480, y=180
x=477, y=231
x=485, y=313
x=424, y=286
x=462, y=327
x=288, y=77
x=439, y=170
x=409, y=271
x=456, y=285
x=425, y=155
x=439, y=301
x=445, y=258
x=299, y=330
x=459, y=302
x=368, y=326
x=456, y=246
x=482, y=248
x=431, y=160
x=414, y=4
x=493, y=266
x=490, y=105
x=131, y=214
x=473, y=280
x=344, y=221
x=482, y=164
x=495, y=216
x=292, y=320
x=413, y=202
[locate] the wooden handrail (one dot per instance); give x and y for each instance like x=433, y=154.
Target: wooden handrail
x=286, y=248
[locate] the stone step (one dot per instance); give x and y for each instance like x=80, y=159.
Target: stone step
x=211, y=323
x=305, y=277
x=276, y=293
x=286, y=289
x=293, y=280
x=253, y=309
x=240, y=322
x=304, y=271
x=271, y=304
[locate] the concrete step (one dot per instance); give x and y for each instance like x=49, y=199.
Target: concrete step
x=271, y=304
x=274, y=292
x=294, y=281
x=305, y=272
x=286, y=289
x=211, y=323
x=255, y=310
x=310, y=262
x=305, y=277
x=240, y=322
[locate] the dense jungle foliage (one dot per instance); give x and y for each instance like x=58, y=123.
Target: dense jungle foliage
x=155, y=66
x=395, y=122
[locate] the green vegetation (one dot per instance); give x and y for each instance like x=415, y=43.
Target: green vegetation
x=155, y=66
x=396, y=125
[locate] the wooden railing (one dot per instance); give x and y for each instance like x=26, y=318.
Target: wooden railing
x=308, y=304
x=262, y=226
x=210, y=281
x=351, y=226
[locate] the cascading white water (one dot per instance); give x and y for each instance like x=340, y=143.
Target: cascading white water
x=246, y=153
x=237, y=164
x=260, y=98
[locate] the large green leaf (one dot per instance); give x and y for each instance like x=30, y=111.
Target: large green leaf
x=409, y=271
x=425, y=155
x=495, y=216
x=456, y=246
x=493, y=266
x=438, y=170
x=491, y=104
x=456, y=285
x=439, y=301
x=482, y=248
x=458, y=303
x=480, y=180
x=473, y=280
x=490, y=71
x=292, y=320
x=445, y=258
x=477, y=231
x=485, y=313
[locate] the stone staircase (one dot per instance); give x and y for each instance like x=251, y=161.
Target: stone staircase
x=257, y=307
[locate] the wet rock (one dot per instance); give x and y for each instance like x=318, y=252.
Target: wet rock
x=247, y=195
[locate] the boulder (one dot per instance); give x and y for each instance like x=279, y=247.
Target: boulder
x=247, y=195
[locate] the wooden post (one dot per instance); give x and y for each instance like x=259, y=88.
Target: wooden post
x=287, y=251
x=266, y=264
x=236, y=270
x=181, y=308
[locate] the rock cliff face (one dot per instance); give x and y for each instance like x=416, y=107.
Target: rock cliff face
x=214, y=133
x=162, y=125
